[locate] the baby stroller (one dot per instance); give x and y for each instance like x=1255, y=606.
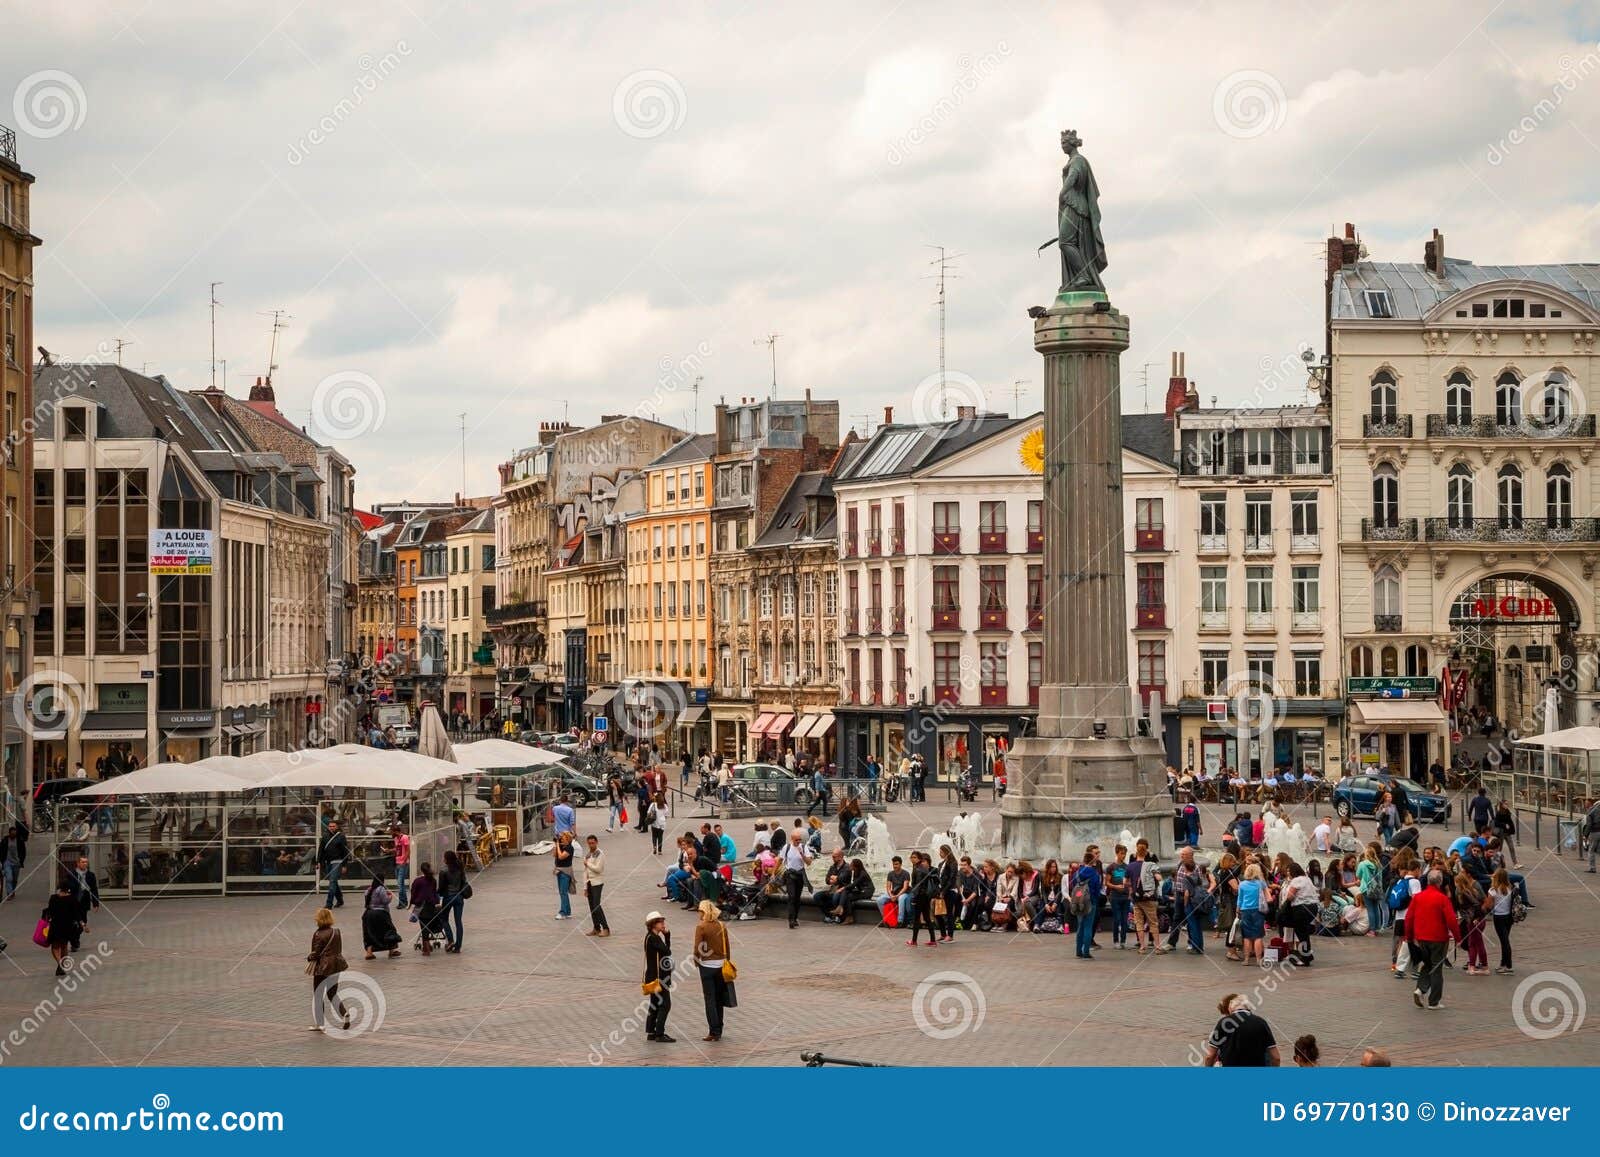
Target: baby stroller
x=430, y=928
x=742, y=901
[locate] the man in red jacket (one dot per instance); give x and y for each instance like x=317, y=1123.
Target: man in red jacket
x=1430, y=926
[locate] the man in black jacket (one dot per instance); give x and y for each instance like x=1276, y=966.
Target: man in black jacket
x=85, y=893
x=334, y=852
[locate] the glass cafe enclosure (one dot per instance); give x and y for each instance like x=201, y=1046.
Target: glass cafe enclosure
x=230, y=826
x=1556, y=773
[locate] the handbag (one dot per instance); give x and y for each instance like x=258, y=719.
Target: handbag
x=623, y=817
x=650, y=987
x=939, y=908
x=41, y=933
x=466, y=893
x=1231, y=940
x=891, y=913
x=729, y=972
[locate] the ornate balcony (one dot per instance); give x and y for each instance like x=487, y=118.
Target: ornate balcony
x=1513, y=530
x=992, y=620
x=993, y=696
x=897, y=621
x=1386, y=425
x=1035, y=618
x=945, y=619
x=993, y=542
x=1485, y=426
x=897, y=541
x=1213, y=542
x=1386, y=624
x=874, y=620
x=1150, y=538
x=1150, y=618
x=947, y=542
x=1403, y=530
x=1035, y=542
x=947, y=694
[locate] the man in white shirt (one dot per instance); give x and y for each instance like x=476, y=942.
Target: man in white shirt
x=80, y=772
x=793, y=861
x=1322, y=833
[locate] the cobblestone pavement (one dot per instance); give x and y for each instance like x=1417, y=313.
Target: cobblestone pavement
x=220, y=982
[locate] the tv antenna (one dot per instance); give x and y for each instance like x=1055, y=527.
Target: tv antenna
x=120, y=343
x=1144, y=386
x=215, y=304
x=463, y=417
x=771, y=342
x=280, y=322
x=1016, y=395
x=866, y=424
x=943, y=261
x=694, y=388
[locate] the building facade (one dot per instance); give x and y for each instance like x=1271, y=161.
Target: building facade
x=470, y=689
x=942, y=591
x=1463, y=446
x=17, y=585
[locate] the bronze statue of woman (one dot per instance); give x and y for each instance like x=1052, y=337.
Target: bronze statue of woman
x=1083, y=251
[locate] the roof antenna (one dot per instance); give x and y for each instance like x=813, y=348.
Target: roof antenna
x=280, y=321
x=1016, y=395
x=120, y=342
x=215, y=304
x=771, y=342
x=943, y=261
x=694, y=388
x=1144, y=386
x=463, y=456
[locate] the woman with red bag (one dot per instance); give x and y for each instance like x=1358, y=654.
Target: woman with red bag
x=62, y=917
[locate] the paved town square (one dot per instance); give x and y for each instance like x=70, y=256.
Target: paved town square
x=219, y=982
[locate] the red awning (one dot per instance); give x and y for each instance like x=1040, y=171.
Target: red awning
x=762, y=723
x=780, y=724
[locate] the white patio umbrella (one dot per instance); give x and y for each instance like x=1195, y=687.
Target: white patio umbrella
x=503, y=754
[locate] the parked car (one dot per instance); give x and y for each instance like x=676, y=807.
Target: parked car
x=581, y=788
x=404, y=736
x=769, y=783
x=1358, y=796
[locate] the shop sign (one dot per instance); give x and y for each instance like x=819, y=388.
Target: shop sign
x=1393, y=686
x=180, y=552
x=1513, y=607
x=171, y=719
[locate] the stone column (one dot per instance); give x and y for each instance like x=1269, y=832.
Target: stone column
x=1087, y=776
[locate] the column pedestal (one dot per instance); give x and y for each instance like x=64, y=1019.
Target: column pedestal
x=1087, y=776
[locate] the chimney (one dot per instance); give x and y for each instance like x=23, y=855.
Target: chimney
x=1191, y=399
x=1177, y=386
x=1433, y=254
x=888, y=415
x=966, y=413
x=262, y=391
x=720, y=426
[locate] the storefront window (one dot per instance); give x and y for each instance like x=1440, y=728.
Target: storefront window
x=953, y=754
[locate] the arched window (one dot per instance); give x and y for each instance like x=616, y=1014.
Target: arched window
x=1386, y=593
x=1507, y=400
x=1557, y=400
x=1361, y=662
x=1510, y=488
x=1389, y=662
x=1385, y=497
x=1558, y=497
x=1416, y=659
x=1458, y=400
x=1458, y=493
x=1385, y=398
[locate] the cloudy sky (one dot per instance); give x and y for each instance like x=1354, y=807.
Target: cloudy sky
x=537, y=210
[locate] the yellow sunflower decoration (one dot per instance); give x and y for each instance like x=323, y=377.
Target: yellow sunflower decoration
x=1032, y=451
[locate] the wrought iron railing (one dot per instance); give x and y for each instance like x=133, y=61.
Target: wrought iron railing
x=1513, y=530
x=1495, y=426
x=8, y=144
x=1386, y=425
x=1400, y=530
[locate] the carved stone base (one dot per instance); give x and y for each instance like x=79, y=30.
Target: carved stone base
x=1076, y=792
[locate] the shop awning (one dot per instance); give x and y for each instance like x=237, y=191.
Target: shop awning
x=762, y=724
x=1398, y=712
x=691, y=715
x=503, y=754
x=112, y=725
x=780, y=724
x=814, y=726
x=599, y=699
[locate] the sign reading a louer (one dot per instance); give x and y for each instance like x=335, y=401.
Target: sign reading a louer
x=180, y=552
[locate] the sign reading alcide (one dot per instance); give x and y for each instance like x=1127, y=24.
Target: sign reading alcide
x=180, y=552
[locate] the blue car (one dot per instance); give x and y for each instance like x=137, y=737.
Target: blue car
x=1359, y=795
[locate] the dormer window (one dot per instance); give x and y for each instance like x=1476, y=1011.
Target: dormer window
x=1379, y=303
x=75, y=423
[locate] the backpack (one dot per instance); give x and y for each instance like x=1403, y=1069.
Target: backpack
x=1400, y=894
x=1081, y=899
x=1144, y=884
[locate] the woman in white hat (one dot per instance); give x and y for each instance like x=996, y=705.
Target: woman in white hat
x=657, y=977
